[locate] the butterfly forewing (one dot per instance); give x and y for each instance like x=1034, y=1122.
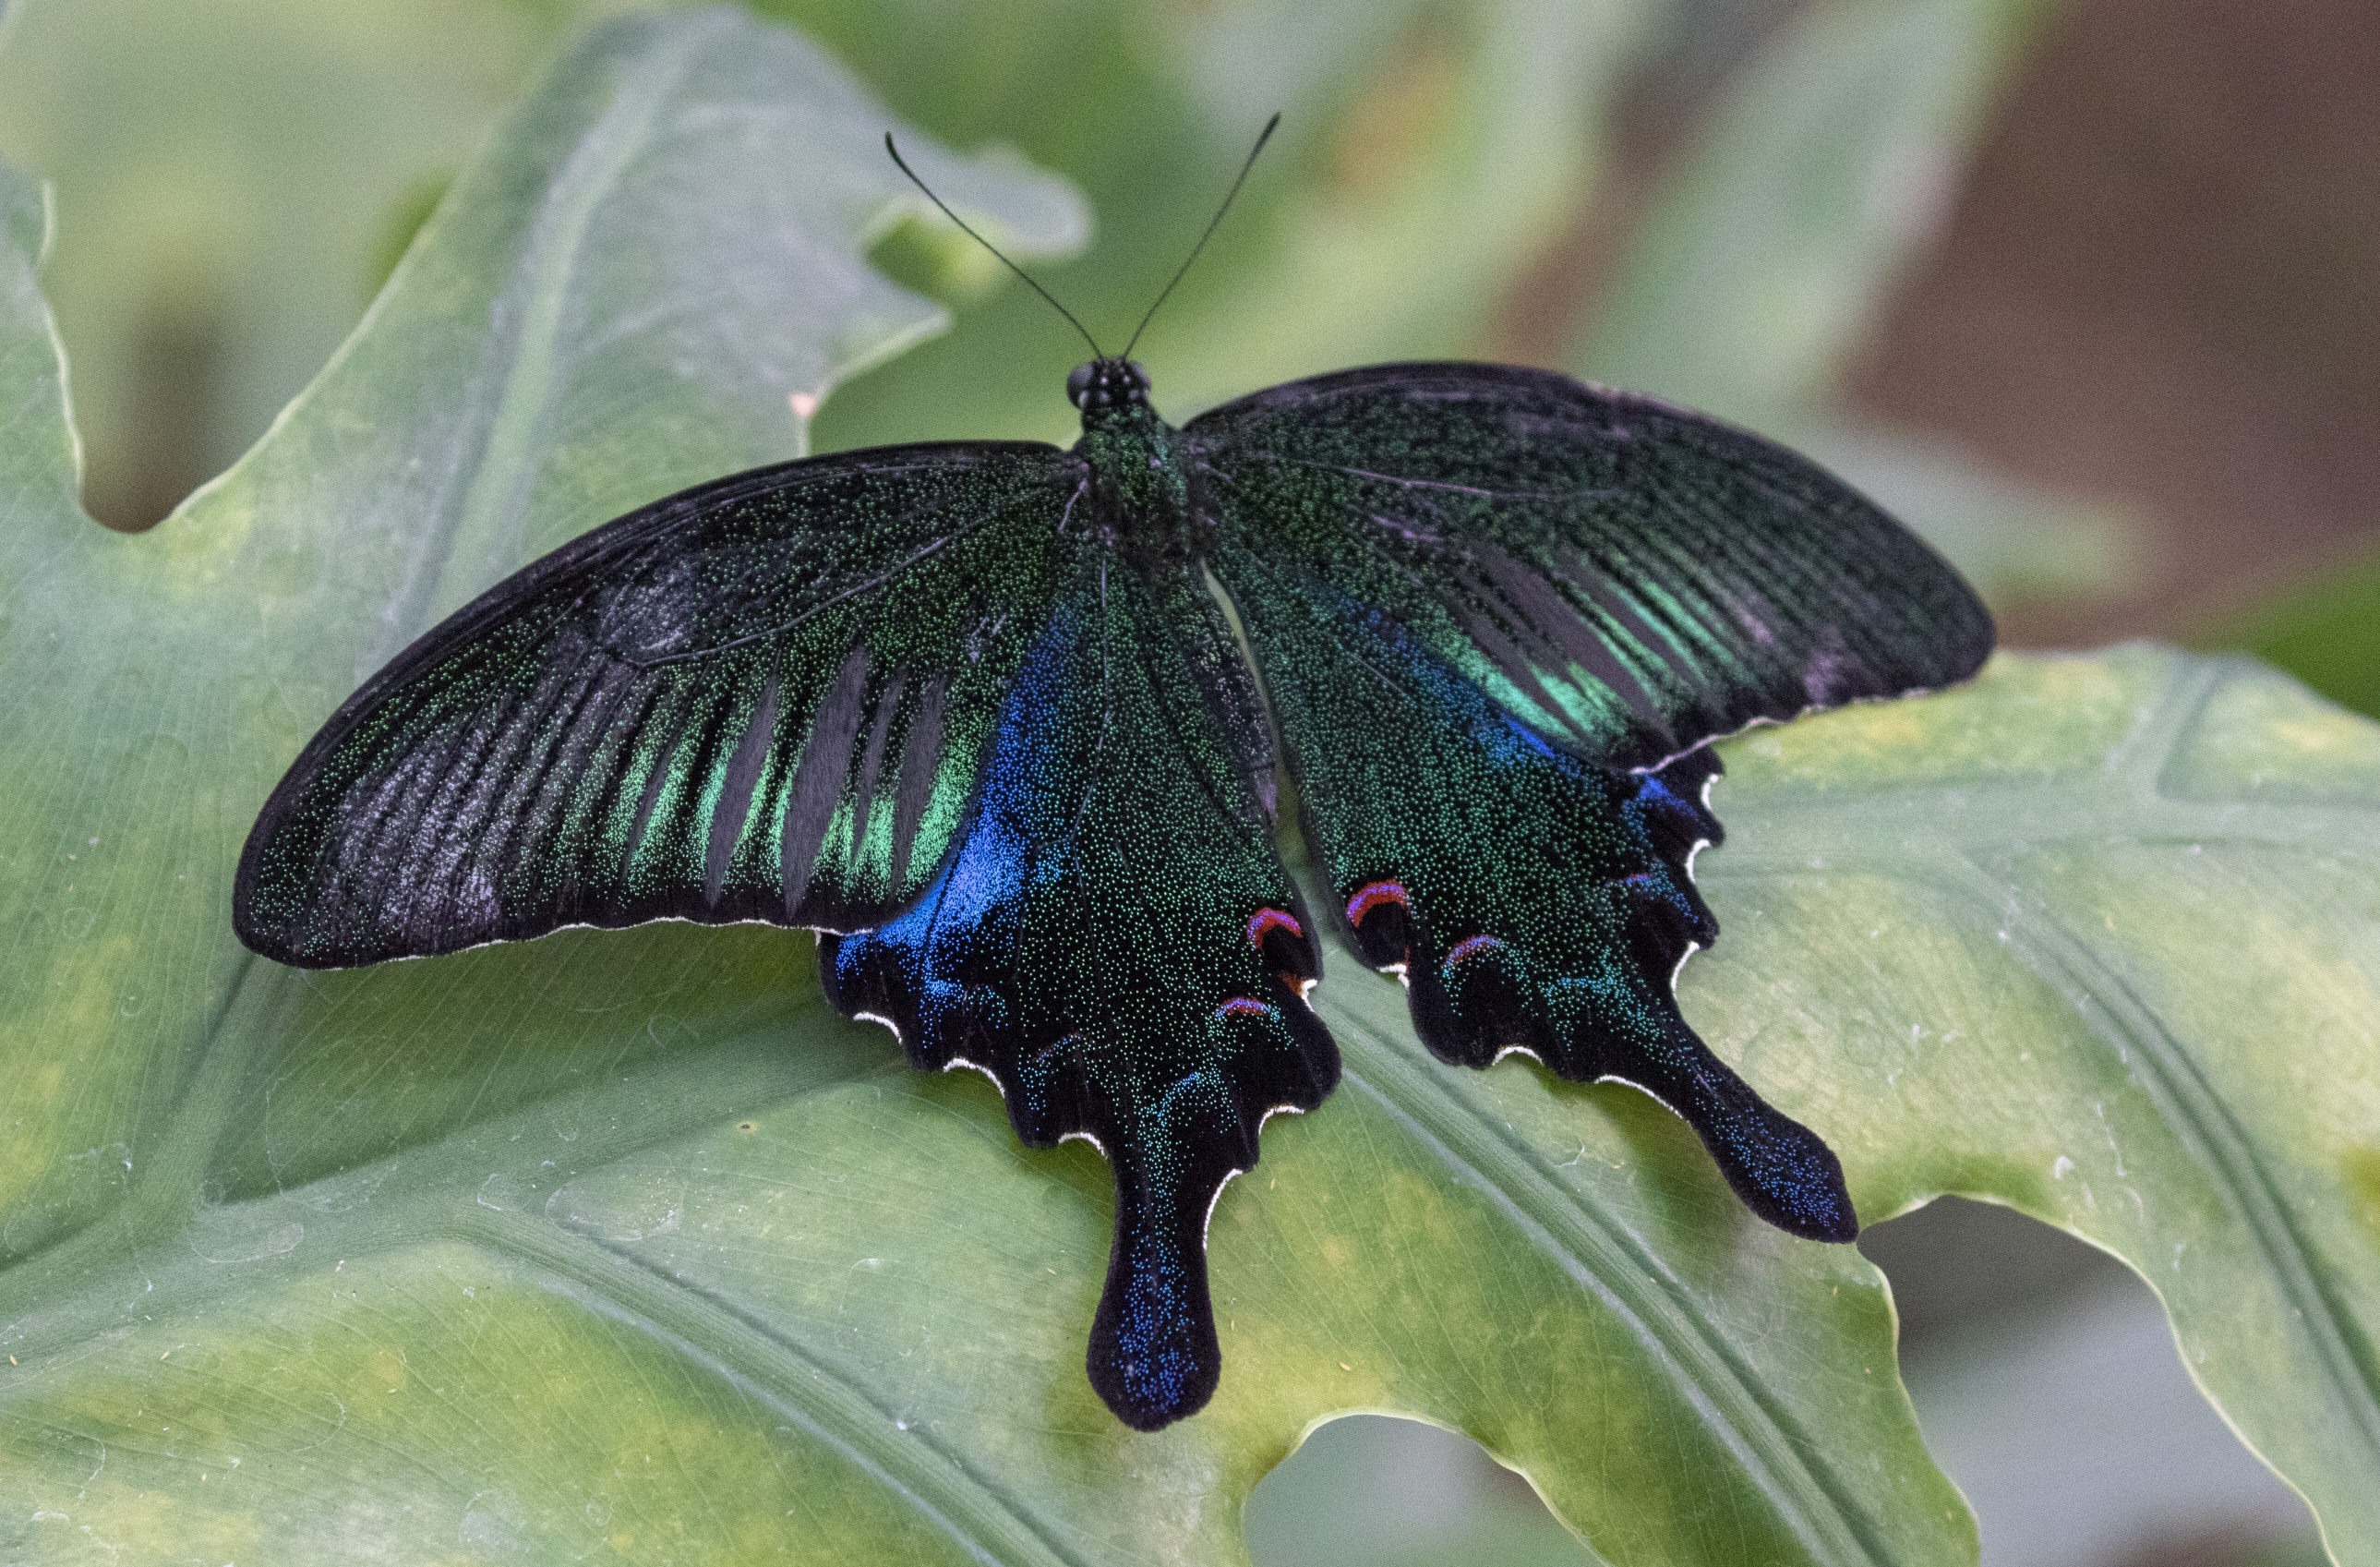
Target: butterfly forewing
x=765, y=698
x=1626, y=579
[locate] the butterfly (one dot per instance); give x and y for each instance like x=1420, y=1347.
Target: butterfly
x=1003, y=724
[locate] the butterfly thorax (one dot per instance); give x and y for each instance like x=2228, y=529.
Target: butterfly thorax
x=1140, y=502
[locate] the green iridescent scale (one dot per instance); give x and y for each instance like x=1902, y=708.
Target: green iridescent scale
x=977, y=711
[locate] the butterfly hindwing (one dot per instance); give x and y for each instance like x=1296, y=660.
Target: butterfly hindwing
x=1528, y=899
x=1114, y=941
x=765, y=698
x=1495, y=610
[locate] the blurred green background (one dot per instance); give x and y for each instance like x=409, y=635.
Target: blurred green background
x=2085, y=291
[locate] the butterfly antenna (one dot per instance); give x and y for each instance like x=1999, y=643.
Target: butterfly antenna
x=1262, y=137
x=900, y=163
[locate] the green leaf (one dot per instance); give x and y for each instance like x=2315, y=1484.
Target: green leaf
x=228, y=174
x=2319, y=631
x=2132, y=908
x=623, y=1243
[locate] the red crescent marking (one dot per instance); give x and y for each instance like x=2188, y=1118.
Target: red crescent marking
x=1264, y=920
x=1371, y=897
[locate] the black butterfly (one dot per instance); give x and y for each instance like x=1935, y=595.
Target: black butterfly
x=979, y=713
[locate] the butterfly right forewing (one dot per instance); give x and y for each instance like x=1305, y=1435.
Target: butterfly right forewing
x=765, y=698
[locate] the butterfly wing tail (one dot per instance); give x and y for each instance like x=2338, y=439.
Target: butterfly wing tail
x=1783, y=1171
x=1153, y=1356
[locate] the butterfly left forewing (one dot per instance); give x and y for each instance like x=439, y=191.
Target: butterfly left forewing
x=765, y=698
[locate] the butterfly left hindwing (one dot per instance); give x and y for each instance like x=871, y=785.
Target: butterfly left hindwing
x=901, y=693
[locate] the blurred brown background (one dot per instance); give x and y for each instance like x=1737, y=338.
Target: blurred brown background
x=2162, y=282
x=2158, y=286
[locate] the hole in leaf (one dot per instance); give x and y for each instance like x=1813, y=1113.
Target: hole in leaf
x=1382, y=1492
x=2048, y=1387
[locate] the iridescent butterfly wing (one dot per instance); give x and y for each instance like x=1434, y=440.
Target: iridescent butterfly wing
x=765, y=698
x=1497, y=612
x=905, y=694
x=1115, y=942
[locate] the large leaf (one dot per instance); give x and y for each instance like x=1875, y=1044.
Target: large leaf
x=230, y=177
x=2099, y=939
x=622, y=1244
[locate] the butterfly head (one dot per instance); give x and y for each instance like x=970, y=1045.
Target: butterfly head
x=1107, y=383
